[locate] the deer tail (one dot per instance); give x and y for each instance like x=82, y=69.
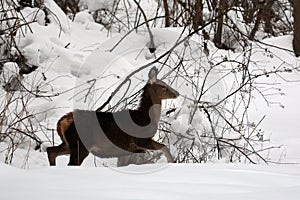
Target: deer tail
x=63, y=124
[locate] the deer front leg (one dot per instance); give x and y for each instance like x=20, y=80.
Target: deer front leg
x=167, y=153
x=153, y=145
x=78, y=153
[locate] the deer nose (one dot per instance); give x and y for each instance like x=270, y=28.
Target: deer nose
x=176, y=93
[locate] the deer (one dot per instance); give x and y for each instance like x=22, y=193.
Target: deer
x=114, y=134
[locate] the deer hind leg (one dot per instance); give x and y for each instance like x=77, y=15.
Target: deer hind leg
x=55, y=151
x=78, y=154
x=153, y=145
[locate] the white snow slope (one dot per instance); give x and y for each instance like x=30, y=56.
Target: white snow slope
x=177, y=181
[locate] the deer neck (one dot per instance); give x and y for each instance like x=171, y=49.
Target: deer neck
x=152, y=106
x=155, y=112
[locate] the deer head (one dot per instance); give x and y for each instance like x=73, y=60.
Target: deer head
x=158, y=89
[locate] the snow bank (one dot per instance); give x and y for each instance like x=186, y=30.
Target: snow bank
x=73, y=53
x=178, y=181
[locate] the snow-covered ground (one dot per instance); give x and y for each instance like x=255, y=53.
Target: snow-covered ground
x=177, y=181
x=86, y=58
x=283, y=123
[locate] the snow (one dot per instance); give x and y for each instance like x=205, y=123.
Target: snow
x=71, y=53
x=176, y=181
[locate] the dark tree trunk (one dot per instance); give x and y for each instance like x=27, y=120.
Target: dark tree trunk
x=257, y=23
x=214, y=4
x=296, y=41
x=264, y=14
x=198, y=16
x=167, y=14
x=268, y=16
x=68, y=6
x=246, y=14
x=223, y=5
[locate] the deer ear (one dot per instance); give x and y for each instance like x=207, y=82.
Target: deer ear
x=153, y=75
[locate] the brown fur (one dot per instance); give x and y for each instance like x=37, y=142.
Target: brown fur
x=103, y=135
x=63, y=124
